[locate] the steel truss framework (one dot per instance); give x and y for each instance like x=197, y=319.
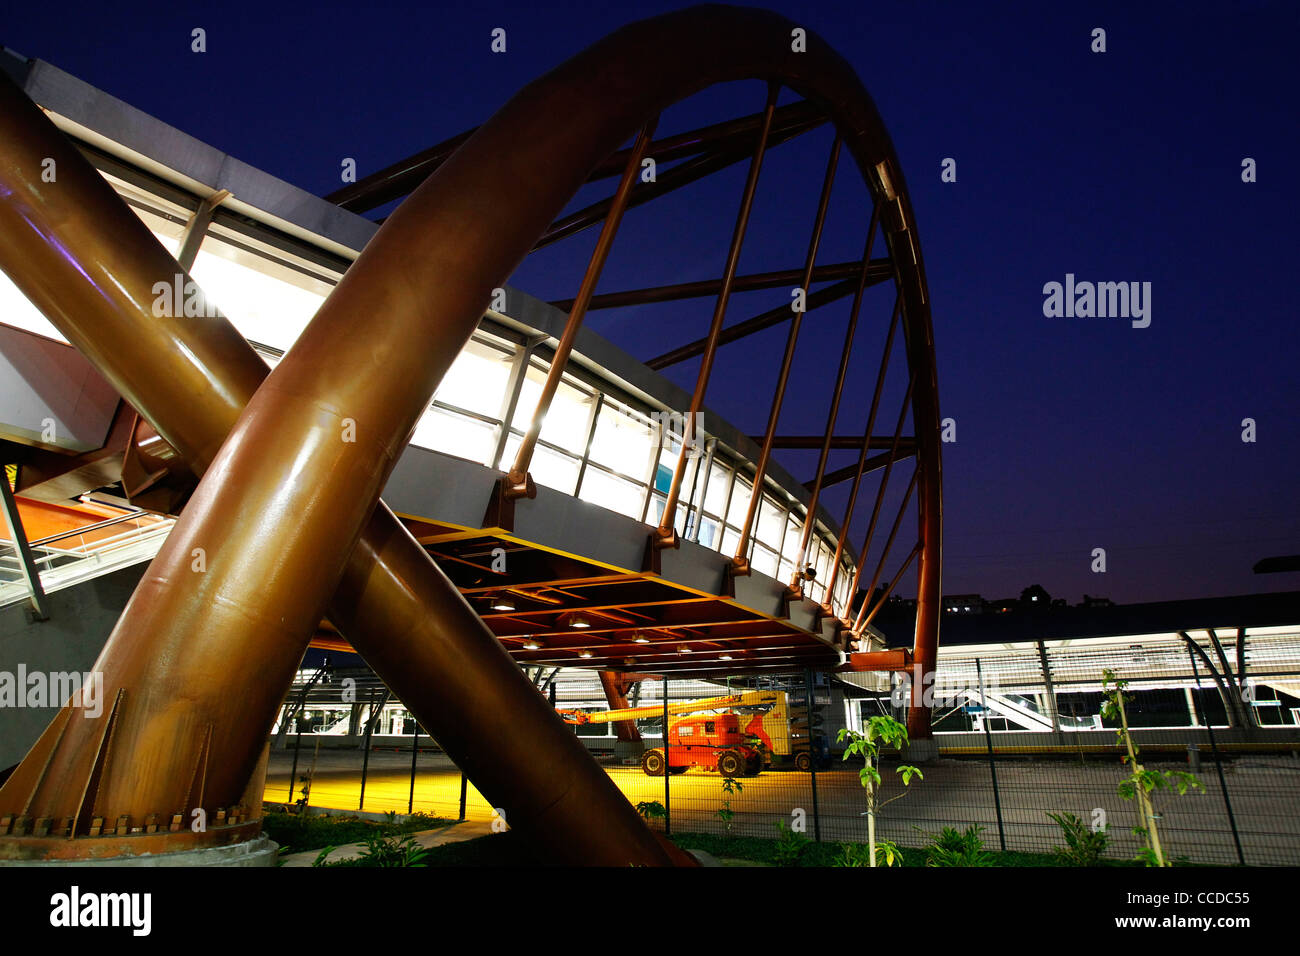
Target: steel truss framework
x=267, y=449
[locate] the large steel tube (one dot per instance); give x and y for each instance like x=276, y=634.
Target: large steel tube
x=90, y=265
x=288, y=494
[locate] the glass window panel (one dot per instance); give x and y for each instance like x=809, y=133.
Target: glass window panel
x=816, y=590
x=842, y=586
x=715, y=496
x=264, y=307
x=739, y=503
x=668, y=464
x=612, y=492
x=657, y=510
x=730, y=540
x=823, y=563
x=663, y=477
x=623, y=441
x=793, y=528
x=566, y=420
x=764, y=561
x=785, y=571
x=477, y=380
x=709, y=533
x=455, y=434
x=771, y=519
x=550, y=468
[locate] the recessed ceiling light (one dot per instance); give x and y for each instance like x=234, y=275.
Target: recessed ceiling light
x=584, y=653
x=641, y=638
x=500, y=602
x=578, y=619
x=724, y=657
x=532, y=644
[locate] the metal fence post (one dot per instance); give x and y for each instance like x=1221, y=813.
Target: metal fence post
x=371, y=719
x=1218, y=762
x=812, y=757
x=988, y=742
x=297, y=746
x=415, y=752
x=463, y=791
x=668, y=816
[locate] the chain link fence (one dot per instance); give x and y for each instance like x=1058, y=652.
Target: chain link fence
x=1018, y=729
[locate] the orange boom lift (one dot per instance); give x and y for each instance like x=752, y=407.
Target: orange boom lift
x=768, y=733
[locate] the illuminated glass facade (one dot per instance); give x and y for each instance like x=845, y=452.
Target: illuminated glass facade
x=597, y=442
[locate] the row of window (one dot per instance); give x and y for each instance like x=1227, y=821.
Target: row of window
x=591, y=445
x=599, y=449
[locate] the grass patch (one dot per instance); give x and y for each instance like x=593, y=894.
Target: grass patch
x=759, y=850
x=297, y=833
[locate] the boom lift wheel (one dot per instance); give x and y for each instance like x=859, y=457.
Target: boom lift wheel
x=731, y=764
x=652, y=763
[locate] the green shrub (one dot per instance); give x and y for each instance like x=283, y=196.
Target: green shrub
x=1084, y=846
x=951, y=848
x=790, y=846
x=859, y=854
x=651, y=810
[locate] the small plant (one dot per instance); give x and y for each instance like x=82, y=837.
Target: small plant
x=391, y=851
x=790, y=846
x=1141, y=783
x=888, y=854
x=730, y=787
x=651, y=810
x=1084, y=846
x=858, y=854
x=951, y=848
x=881, y=732
x=320, y=857
x=853, y=854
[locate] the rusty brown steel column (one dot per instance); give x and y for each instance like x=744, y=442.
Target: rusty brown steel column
x=86, y=261
x=517, y=484
x=740, y=562
x=898, y=576
x=604, y=95
x=884, y=553
x=880, y=493
x=832, y=416
x=666, y=536
x=862, y=463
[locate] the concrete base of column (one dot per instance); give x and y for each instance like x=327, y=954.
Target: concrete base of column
x=260, y=851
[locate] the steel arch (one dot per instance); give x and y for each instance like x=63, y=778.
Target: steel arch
x=419, y=279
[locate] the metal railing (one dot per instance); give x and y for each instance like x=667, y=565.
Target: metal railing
x=61, y=567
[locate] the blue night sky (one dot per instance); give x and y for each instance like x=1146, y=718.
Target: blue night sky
x=1072, y=433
